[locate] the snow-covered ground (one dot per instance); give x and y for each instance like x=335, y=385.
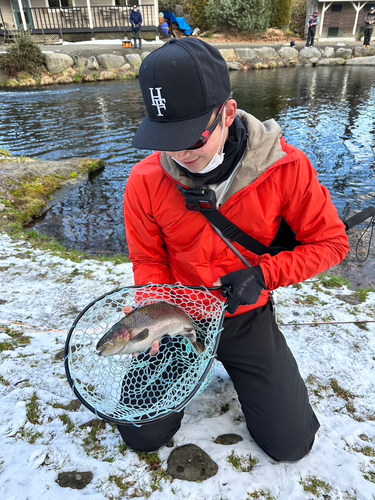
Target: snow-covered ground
x=40, y=296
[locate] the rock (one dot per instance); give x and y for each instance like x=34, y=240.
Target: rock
x=310, y=52
x=126, y=67
x=3, y=77
x=232, y=66
x=363, y=52
x=144, y=55
x=334, y=61
x=110, y=61
x=196, y=31
x=350, y=299
x=344, y=53
x=288, y=53
x=227, y=439
x=74, y=405
x=329, y=51
x=191, y=463
x=79, y=62
x=266, y=53
x=75, y=480
x=314, y=60
x=228, y=54
x=362, y=61
x=3, y=301
x=2, y=207
x=92, y=63
x=245, y=53
x=135, y=60
x=57, y=63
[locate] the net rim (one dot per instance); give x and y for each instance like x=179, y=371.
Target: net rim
x=158, y=417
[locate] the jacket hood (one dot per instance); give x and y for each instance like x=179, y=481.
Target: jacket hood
x=263, y=150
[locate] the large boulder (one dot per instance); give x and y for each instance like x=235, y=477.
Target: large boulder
x=362, y=61
x=333, y=61
x=228, y=54
x=288, y=53
x=57, y=63
x=266, y=53
x=110, y=61
x=329, y=51
x=79, y=63
x=363, y=52
x=245, y=53
x=310, y=52
x=344, y=53
x=92, y=63
x=135, y=60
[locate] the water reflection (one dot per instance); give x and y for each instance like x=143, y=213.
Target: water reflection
x=326, y=112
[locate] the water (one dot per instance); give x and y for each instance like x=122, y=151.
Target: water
x=326, y=112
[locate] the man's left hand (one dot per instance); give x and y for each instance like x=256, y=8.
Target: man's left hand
x=245, y=285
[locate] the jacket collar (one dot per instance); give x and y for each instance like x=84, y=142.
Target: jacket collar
x=263, y=151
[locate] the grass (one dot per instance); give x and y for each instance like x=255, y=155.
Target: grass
x=331, y=281
x=66, y=421
x=33, y=412
x=18, y=339
x=260, y=495
x=242, y=464
x=315, y=486
x=340, y=391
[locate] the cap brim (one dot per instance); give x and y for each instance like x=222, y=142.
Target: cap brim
x=170, y=136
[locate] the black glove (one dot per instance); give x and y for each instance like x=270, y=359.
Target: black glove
x=245, y=287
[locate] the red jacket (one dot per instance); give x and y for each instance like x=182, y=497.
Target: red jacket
x=169, y=244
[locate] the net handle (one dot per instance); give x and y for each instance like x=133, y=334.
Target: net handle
x=150, y=419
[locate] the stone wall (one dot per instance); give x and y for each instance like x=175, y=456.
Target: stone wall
x=283, y=56
x=75, y=68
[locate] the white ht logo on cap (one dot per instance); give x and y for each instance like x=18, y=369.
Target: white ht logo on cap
x=157, y=100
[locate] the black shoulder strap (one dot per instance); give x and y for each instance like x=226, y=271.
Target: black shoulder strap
x=204, y=201
x=234, y=233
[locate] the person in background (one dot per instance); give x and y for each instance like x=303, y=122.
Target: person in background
x=136, y=22
x=255, y=179
x=312, y=23
x=369, y=26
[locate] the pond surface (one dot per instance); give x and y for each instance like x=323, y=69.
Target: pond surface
x=329, y=113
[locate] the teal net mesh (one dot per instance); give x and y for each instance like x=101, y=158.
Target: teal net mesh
x=135, y=389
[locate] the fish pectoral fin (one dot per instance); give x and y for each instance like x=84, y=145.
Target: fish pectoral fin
x=141, y=336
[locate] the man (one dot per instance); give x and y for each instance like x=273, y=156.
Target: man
x=312, y=23
x=257, y=178
x=136, y=22
x=369, y=26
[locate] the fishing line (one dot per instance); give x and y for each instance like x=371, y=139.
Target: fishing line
x=328, y=323
x=371, y=223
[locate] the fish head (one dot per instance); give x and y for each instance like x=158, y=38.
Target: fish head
x=114, y=342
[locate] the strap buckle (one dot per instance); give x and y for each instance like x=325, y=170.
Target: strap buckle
x=199, y=199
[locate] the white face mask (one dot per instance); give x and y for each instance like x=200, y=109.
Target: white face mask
x=217, y=159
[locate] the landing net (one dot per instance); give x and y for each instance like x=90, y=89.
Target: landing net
x=127, y=389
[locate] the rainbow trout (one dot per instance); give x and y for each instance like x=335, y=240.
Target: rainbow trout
x=138, y=330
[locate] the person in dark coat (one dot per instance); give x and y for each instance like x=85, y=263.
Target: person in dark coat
x=312, y=23
x=369, y=26
x=136, y=22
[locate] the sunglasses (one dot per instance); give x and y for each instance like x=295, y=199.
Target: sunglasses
x=204, y=138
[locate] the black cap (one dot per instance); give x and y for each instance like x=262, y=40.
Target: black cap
x=181, y=83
